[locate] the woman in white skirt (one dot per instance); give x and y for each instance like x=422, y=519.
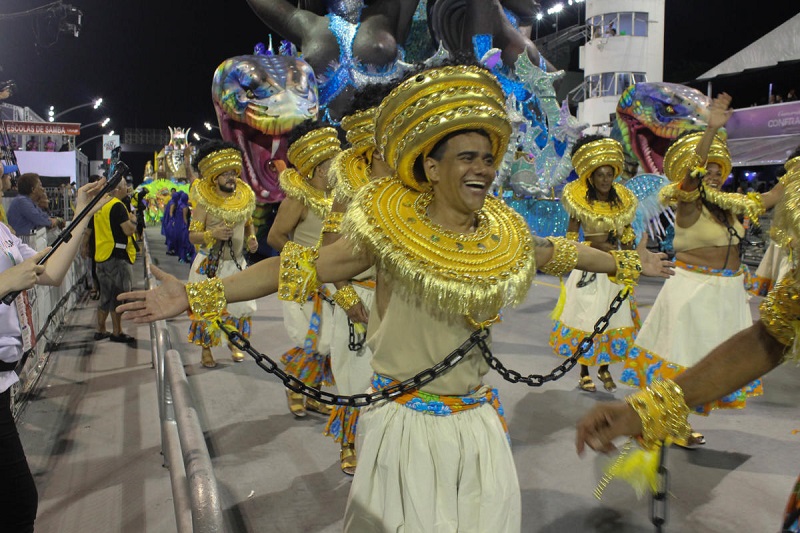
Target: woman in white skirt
x=705, y=302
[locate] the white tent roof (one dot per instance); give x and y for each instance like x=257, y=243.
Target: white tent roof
x=781, y=44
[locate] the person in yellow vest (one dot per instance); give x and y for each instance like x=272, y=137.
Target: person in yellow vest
x=114, y=255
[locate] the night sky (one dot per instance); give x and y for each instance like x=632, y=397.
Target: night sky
x=152, y=60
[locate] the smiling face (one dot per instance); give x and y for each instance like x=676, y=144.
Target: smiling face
x=602, y=180
x=226, y=182
x=462, y=176
x=714, y=177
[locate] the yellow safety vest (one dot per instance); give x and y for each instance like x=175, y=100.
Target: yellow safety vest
x=104, y=238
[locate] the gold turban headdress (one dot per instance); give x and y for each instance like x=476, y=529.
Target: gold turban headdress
x=313, y=148
x=596, y=154
x=215, y=163
x=423, y=109
x=359, y=127
x=681, y=157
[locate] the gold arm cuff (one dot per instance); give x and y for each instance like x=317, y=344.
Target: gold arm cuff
x=297, y=279
x=332, y=222
x=673, y=193
x=573, y=236
x=629, y=267
x=346, y=297
x=760, y=208
x=196, y=225
x=565, y=257
x=663, y=412
x=208, y=239
x=207, y=298
x=780, y=313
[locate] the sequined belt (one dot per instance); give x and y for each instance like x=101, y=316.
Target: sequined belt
x=724, y=272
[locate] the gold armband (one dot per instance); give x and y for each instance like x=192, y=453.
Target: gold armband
x=629, y=267
x=346, y=297
x=663, y=412
x=207, y=298
x=673, y=193
x=332, y=222
x=297, y=279
x=573, y=236
x=780, y=313
x=196, y=225
x=252, y=237
x=565, y=257
x=757, y=199
x=208, y=239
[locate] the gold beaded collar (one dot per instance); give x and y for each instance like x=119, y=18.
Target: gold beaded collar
x=451, y=274
x=350, y=170
x=233, y=209
x=297, y=187
x=599, y=215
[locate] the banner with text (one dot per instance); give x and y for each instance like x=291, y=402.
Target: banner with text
x=15, y=127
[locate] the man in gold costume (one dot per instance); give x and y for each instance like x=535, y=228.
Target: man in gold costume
x=312, y=146
x=221, y=226
x=448, y=257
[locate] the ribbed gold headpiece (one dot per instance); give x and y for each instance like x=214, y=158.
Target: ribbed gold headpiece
x=596, y=154
x=681, y=156
x=313, y=148
x=360, y=126
x=422, y=110
x=220, y=161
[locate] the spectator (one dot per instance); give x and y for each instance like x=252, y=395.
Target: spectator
x=88, y=248
x=23, y=214
x=791, y=96
x=114, y=254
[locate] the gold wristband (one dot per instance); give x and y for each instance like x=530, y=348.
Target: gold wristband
x=208, y=239
x=332, y=222
x=629, y=267
x=780, y=313
x=207, y=298
x=573, y=236
x=346, y=297
x=663, y=412
x=297, y=279
x=196, y=225
x=673, y=193
x=564, y=259
x=252, y=237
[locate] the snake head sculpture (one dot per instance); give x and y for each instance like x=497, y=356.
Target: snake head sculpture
x=258, y=100
x=651, y=115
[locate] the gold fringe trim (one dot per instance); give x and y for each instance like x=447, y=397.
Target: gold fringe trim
x=785, y=229
x=600, y=216
x=350, y=170
x=738, y=204
x=450, y=274
x=233, y=209
x=295, y=186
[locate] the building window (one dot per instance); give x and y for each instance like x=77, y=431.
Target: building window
x=640, y=24
x=611, y=83
x=614, y=24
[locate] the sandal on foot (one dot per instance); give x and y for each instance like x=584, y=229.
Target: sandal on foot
x=347, y=458
x=587, y=384
x=317, y=407
x=296, y=403
x=236, y=354
x=608, y=381
x=695, y=439
x=207, y=359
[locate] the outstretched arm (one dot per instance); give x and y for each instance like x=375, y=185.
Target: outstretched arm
x=336, y=262
x=736, y=362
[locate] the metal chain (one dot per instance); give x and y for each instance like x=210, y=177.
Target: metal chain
x=536, y=380
x=356, y=341
x=658, y=503
x=478, y=338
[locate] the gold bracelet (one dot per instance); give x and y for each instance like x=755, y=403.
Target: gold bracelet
x=332, y=222
x=346, y=297
x=780, y=313
x=629, y=267
x=252, y=237
x=207, y=298
x=297, y=279
x=564, y=259
x=208, y=239
x=196, y=225
x=573, y=236
x=673, y=193
x=663, y=412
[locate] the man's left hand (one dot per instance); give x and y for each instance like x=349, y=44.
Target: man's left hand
x=654, y=265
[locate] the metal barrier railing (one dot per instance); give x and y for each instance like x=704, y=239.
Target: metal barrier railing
x=194, y=486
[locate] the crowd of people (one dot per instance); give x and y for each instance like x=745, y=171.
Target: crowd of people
x=421, y=229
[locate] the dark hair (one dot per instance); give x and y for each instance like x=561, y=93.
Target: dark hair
x=591, y=192
x=796, y=153
x=369, y=96
x=586, y=139
x=437, y=152
x=26, y=183
x=210, y=147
